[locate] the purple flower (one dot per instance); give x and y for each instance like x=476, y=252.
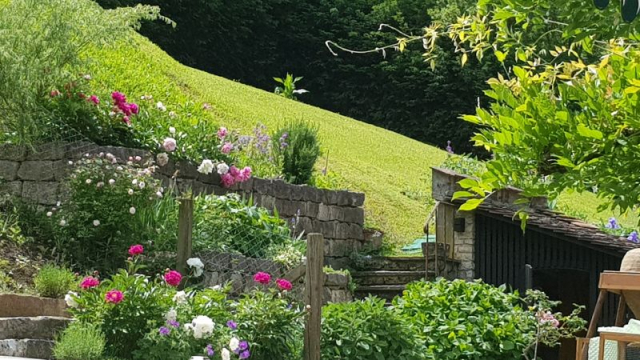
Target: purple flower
x=164, y=331
x=209, y=349
x=232, y=325
x=612, y=224
x=243, y=345
x=245, y=354
x=633, y=237
x=173, y=323
x=449, y=148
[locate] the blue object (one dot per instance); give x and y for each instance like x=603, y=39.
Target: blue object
x=416, y=245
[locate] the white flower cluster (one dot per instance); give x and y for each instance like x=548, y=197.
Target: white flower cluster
x=70, y=299
x=197, y=266
x=206, y=167
x=180, y=298
x=201, y=326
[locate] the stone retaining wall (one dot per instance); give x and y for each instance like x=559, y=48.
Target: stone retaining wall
x=38, y=175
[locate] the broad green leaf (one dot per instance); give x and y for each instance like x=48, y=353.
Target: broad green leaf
x=467, y=183
x=583, y=130
x=461, y=194
x=471, y=204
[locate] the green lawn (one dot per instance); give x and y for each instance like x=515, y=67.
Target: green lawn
x=393, y=170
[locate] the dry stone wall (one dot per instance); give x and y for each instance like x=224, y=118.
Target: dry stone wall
x=38, y=174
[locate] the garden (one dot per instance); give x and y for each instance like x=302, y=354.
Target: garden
x=115, y=147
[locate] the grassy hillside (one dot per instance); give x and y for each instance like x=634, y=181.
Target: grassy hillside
x=393, y=170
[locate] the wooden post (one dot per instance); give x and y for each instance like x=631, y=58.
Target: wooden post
x=313, y=293
x=185, y=229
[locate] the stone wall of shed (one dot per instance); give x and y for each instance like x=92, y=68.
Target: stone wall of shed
x=38, y=175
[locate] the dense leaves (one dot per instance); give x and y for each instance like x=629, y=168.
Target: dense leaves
x=253, y=41
x=365, y=330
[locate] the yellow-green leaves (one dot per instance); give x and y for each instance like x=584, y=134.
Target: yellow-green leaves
x=583, y=130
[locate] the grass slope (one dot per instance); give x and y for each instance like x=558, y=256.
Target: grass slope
x=393, y=170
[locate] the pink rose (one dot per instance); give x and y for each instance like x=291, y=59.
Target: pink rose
x=227, y=147
x=227, y=180
x=124, y=107
x=169, y=144
x=173, y=278
x=235, y=172
x=262, y=278
x=284, y=285
x=245, y=174
x=89, y=282
x=135, y=250
x=222, y=133
x=134, y=108
x=118, y=97
x=114, y=296
x=94, y=99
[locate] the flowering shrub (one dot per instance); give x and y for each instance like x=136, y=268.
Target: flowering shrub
x=101, y=218
x=297, y=148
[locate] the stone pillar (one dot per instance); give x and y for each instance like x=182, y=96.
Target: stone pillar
x=464, y=246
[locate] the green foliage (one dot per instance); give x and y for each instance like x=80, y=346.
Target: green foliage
x=229, y=224
x=101, y=218
x=297, y=148
x=43, y=46
x=80, y=341
x=464, y=165
x=287, y=87
x=54, y=282
x=368, y=330
x=272, y=324
x=461, y=320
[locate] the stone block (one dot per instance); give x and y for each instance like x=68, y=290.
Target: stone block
x=9, y=170
x=305, y=224
x=328, y=229
x=296, y=192
x=40, y=327
x=168, y=169
x=353, y=215
x=267, y=201
x=49, y=151
x=281, y=189
x=324, y=212
x=331, y=197
x=45, y=193
x=337, y=248
x=289, y=208
x=27, y=348
x=36, y=170
x=356, y=199
x=311, y=209
x=13, y=188
x=14, y=305
x=211, y=278
x=356, y=232
x=314, y=194
x=465, y=257
x=343, y=230
x=262, y=186
x=12, y=152
x=61, y=169
x=338, y=263
x=336, y=280
x=187, y=170
x=212, y=179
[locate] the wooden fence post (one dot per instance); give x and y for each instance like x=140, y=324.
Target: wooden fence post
x=313, y=294
x=185, y=229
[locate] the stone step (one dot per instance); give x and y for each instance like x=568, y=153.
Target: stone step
x=16, y=358
x=40, y=327
x=27, y=348
x=374, y=263
x=387, y=292
x=388, y=277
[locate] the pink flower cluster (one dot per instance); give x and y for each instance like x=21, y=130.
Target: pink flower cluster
x=114, y=296
x=173, y=278
x=89, y=282
x=548, y=318
x=235, y=175
x=135, y=250
x=264, y=279
x=120, y=105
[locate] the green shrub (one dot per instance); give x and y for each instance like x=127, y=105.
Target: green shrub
x=101, y=219
x=467, y=320
x=54, y=282
x=80, y=341
x=368, y=330
x=298, y=149
x=271, y=324
x=230, y=224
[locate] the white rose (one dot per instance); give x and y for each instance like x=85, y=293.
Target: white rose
x=49, y=214
x=112, y=181
x=70, y=299
x=161, y=106
x=132, y=210
x=162, y=159
x=63, y=222
x=234, y=343
x=202, y=326
x=225, y=354
x=223, y=168
x=96, y=222
x=172, y=130
x=180, y=297
x=206, y=167
x=197, y=266
x=130, y=192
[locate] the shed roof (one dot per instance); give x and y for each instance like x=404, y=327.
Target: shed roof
x=562, y=225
